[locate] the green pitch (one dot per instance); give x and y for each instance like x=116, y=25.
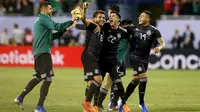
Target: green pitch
x=167, y=90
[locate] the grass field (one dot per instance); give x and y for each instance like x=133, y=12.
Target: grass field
x=167, y=90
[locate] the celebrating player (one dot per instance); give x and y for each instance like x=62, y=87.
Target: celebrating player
x=108, y=57
x=90, y=56
x=121, y=55
x=143, y=37
x=43, y=38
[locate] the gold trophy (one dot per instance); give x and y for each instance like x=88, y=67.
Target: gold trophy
x=77, y=12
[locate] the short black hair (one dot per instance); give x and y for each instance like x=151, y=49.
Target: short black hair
x=148, y=13
x=126, y=22
x=116, y=13
x=115, y=7
x=44, y=4
x=98, y=12
x=16, y=25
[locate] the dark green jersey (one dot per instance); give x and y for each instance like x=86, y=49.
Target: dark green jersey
x=122, y=50
x=43, y=36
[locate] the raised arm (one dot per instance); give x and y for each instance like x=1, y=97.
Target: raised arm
x=85, y=21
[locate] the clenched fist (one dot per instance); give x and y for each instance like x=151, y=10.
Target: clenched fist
x=85, y=5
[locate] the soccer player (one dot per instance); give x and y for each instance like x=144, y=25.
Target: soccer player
x=143, y=37
x=90, y=57
x=121, y=55
x=108, y=57
x=107, y=82
x=107, y=79
x=43, y=38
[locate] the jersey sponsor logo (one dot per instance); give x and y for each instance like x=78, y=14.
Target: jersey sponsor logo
x=15, y=57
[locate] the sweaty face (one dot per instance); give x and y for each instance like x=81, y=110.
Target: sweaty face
x=114, y=19
x=48, y=10
x=100, y=19
x=143, y=18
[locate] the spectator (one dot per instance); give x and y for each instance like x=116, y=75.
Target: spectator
x=188, y=7
x=81, y=38
x=12, y=42
x=176, y=8
x=176, y=40
x=196, y=7
x=2, y=10
x=188, y=38
x=168, y=6
x=18, y=35
x=27, y=8
x=4, y=38
x=28, y=40
x=9, y=6
x=18, y=6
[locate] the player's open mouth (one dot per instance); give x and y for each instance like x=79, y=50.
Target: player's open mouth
x=111, y=21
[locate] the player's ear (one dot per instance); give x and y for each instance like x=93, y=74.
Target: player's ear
x=94, y=18
x=148, y=19
x=44, y=9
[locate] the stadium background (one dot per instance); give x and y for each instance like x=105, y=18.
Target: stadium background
x=174, y=78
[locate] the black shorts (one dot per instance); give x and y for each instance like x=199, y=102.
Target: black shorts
x=139, y=67
x=122, y=69
x=43, y=66
x=112, y=68
x=91, y=67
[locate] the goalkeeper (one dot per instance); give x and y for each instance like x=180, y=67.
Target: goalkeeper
x=43, y=38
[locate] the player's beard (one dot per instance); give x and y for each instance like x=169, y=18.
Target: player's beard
x=50, y=13
x=101, y=23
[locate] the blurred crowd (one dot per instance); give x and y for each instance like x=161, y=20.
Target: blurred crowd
x=24, y=37
x=185, y=40
x=182, y=7
x=31, y=7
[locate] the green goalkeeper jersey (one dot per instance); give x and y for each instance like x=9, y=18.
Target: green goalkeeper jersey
x=122, y=50
x=44, y=27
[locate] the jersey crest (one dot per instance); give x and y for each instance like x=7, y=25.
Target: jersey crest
x=119, y=35
x=148, y=32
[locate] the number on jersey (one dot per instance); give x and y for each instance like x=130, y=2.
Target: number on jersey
x=143, y=36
